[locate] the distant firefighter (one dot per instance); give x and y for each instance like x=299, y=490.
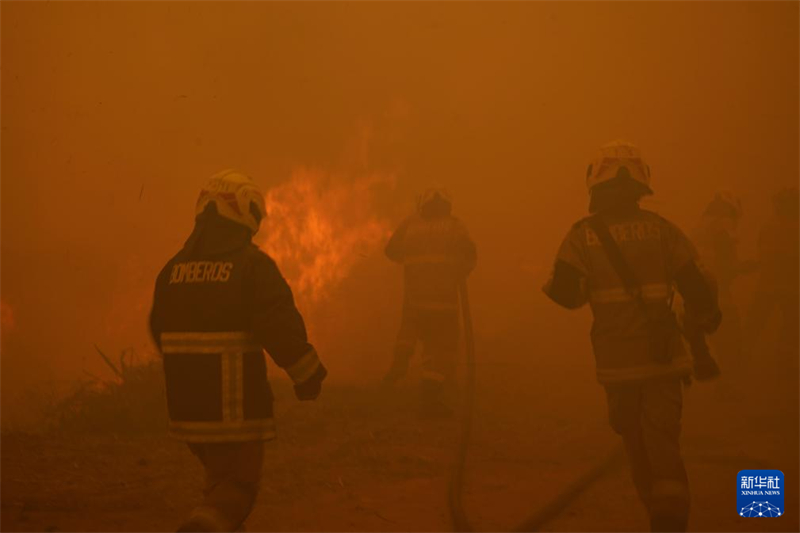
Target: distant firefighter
x=717, y=241
x=436, y=252
x=624, y=261
x=218, y=304
x=779, y=272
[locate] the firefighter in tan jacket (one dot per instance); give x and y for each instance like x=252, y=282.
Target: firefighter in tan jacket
x=436, y=252
x=640, y=358
x=218, y=304
x=717, y=241
x=778, y=290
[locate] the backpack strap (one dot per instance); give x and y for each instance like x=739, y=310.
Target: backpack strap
x=614, y=254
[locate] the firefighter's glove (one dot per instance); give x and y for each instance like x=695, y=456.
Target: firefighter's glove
x=310, y=388
x=706, y=369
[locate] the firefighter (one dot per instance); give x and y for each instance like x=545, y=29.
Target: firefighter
x=779, y=263
x=717, y=241
x=436, y=252
x=218, y=304
x=624, y=261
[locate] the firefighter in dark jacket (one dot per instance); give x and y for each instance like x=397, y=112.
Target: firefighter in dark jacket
x=437, y=253
x=641, y=360
x=218, y=304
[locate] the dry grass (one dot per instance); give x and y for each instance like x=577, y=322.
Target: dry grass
x=133, y=402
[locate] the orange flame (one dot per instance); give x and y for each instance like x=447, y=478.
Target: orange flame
x=319, y=226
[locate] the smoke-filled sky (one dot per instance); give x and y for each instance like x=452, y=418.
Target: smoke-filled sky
x=114, y=113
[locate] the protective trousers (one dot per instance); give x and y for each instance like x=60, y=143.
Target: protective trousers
x=233, y=472
x=438, y=330
x=647, y=415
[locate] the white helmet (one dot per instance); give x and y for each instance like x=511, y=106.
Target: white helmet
x=236, y=196
x=615, y=157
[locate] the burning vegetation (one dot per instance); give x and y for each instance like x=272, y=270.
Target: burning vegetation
x=319, y=225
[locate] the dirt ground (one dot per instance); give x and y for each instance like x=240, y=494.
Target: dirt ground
x=362, y=460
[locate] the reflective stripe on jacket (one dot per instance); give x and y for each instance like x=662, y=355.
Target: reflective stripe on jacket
x=655, y=250
x=213, y=316
x=435, y=252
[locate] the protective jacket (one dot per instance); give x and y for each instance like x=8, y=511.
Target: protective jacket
x=661, y=257
x=218, y=304
x=436, y=252
x=718, y=244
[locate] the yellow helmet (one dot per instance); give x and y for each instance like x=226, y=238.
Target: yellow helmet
x=615, y=159
x=433, y=191
x=236, y=196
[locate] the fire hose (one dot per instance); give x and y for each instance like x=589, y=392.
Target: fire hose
x=541, y=516
x=454, y=493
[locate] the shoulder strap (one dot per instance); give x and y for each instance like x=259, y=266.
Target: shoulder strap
x=621, y=267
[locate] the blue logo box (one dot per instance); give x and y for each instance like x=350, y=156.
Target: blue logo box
x=759, y=493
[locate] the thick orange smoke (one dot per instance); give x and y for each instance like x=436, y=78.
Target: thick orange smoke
x=124, y=322
x=7, y=322
x=319, y=225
